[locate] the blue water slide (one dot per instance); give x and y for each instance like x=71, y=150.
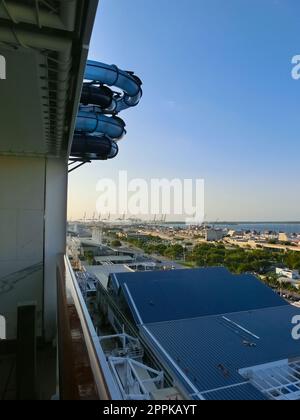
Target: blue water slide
x=98, y=127
x=88, y=147
x=112, y=76
x=96, y=123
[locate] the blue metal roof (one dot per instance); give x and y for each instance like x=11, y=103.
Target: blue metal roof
x=207, y=353
x=179, y=294
x=245, y=392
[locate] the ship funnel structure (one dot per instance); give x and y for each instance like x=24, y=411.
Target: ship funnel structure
x=106, y=92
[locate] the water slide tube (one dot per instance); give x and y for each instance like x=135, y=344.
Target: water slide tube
x=98, y=127
x=94, y=147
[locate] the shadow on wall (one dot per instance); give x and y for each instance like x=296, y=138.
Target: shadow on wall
x=25, y=285
x=8, y=283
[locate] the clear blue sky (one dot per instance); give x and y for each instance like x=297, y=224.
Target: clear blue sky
x=219, y=101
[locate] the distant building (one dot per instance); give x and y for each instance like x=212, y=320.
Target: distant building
x=79, y=229
x=286, y=276
x=292, y=282
x=137, y=236
x=283, y=237
x=235, y=233
x=270, y=236
x=103, y=272
x=212, y=235
x=289, y=274
x=113, y=259
x=97, y=235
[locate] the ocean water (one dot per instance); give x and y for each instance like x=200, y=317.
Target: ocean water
x=288, y=228
x=262, y=227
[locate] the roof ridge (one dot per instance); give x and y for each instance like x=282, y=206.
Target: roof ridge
x=221, y=315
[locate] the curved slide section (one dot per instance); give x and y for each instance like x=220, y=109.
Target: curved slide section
x=96, y=123
x=94, y=148
x=111, y=75
x=98, y=127
x=101, y=96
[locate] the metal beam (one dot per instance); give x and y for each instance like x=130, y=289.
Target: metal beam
x=22, y=13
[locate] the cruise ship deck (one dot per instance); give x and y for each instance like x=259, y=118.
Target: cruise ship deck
x=148, y=332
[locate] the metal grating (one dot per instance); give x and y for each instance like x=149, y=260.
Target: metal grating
x=277, y=382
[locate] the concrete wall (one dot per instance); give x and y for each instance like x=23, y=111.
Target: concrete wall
x=55, y=235
x=22, y=187
x=33, y=195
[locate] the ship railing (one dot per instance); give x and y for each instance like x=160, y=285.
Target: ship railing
x=72, y=310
